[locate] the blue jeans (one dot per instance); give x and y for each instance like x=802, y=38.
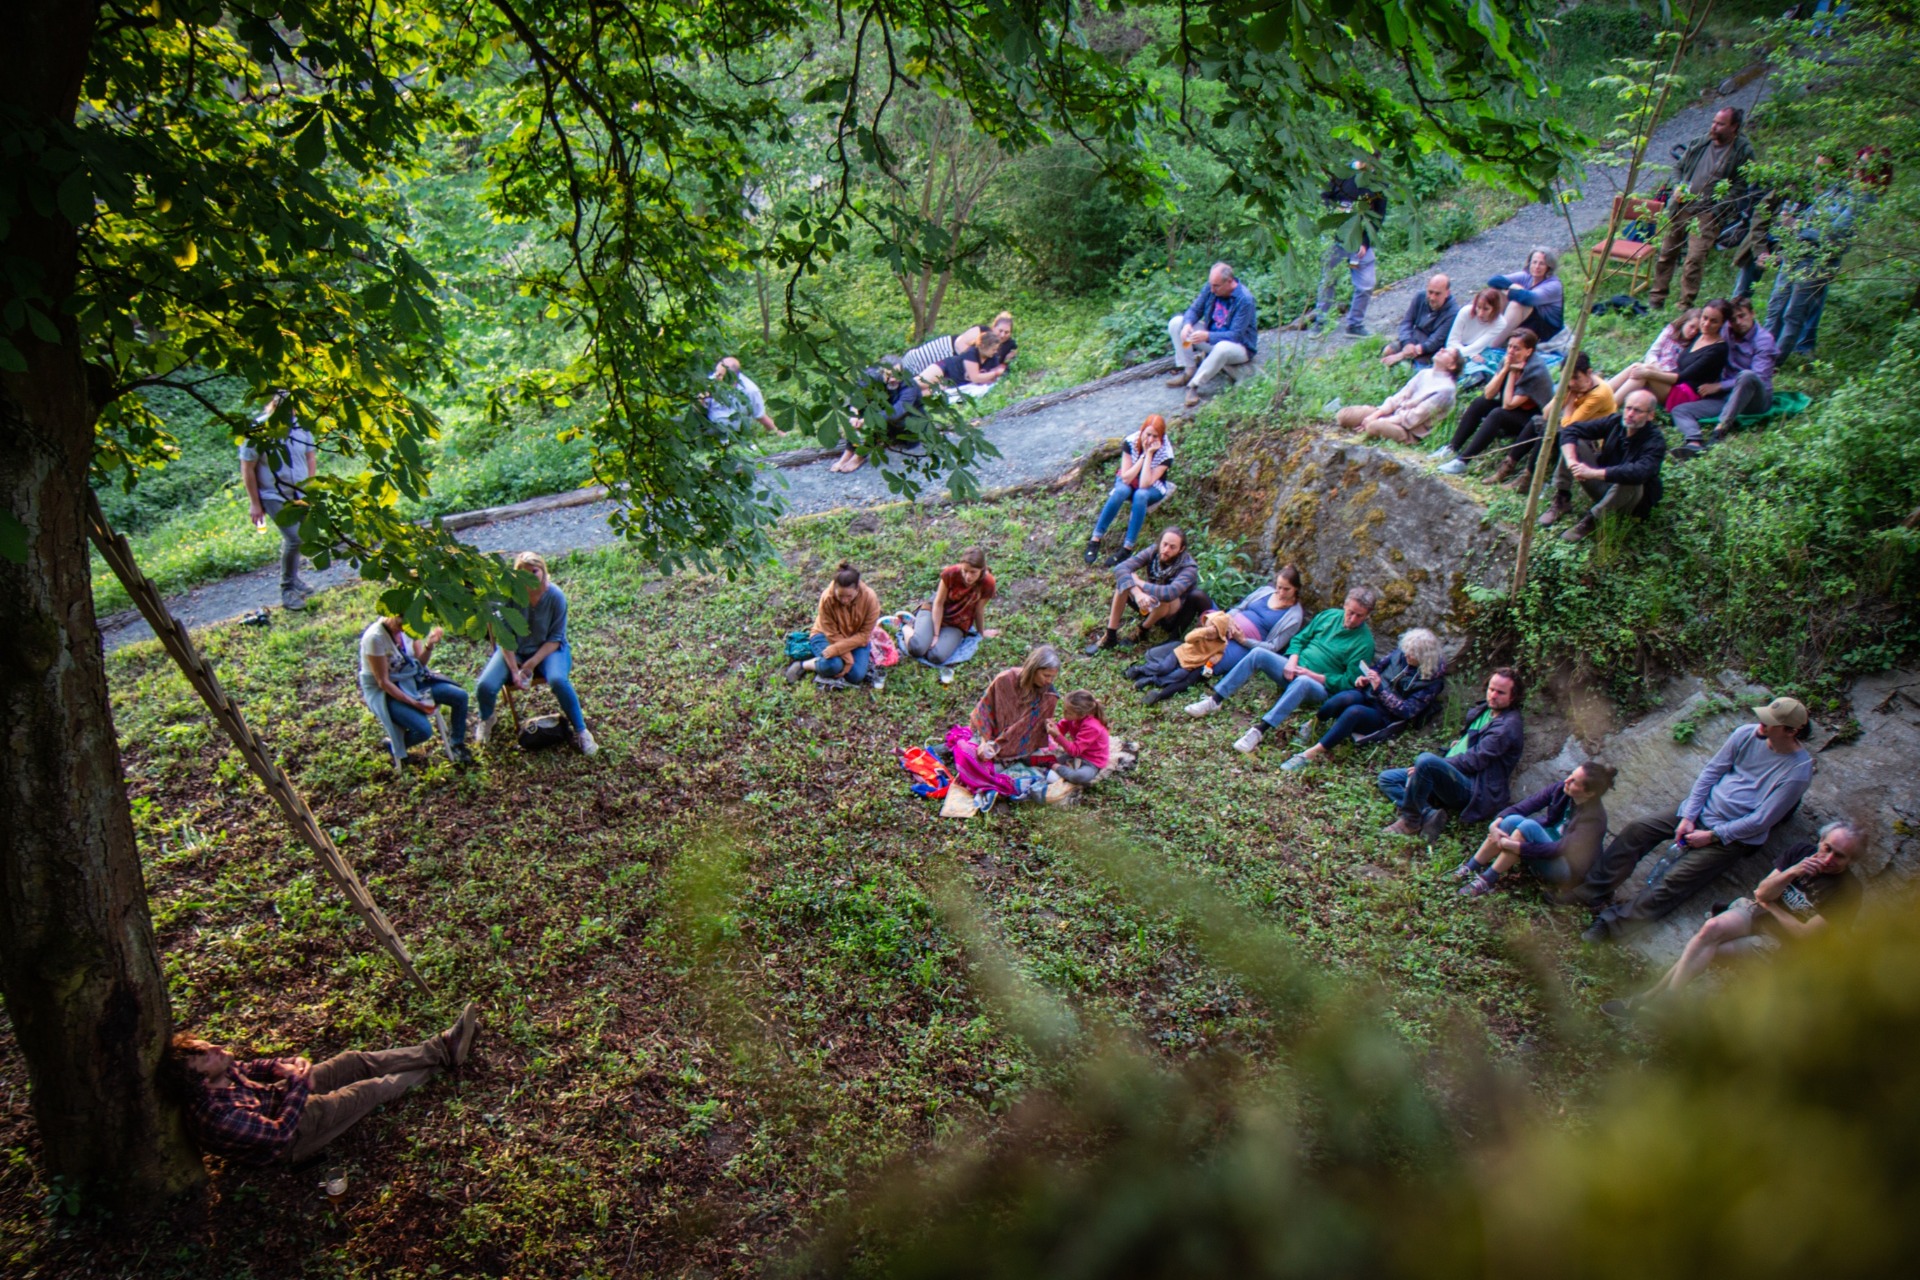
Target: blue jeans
x=855, y=663
x=413, y=725
x=1294, y=694
x=556, y=668
x=1552, y=870
x=1353, y=711
x=1124, y=493
x=1362, y=274
x=1793, y=313
x=1431, y=778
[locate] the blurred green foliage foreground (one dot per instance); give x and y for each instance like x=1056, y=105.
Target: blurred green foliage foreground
x=1769, y=1127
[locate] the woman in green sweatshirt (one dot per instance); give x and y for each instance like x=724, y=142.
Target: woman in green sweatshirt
x=1325, y=658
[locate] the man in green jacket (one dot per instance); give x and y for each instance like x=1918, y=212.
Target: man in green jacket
x=1697, y=212
x=1324, y=658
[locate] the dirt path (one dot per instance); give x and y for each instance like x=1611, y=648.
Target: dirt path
x=1036, y=438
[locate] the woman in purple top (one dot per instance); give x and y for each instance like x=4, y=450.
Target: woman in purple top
x=1536, y=299
x=1555, y=833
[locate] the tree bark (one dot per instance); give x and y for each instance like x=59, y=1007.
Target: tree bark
x=79, y=968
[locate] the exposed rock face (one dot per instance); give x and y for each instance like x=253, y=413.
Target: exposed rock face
x=1349, y=513
x=1866, y=777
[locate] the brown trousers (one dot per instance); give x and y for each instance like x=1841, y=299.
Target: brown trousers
x=1697, y=243
x=348, y=1086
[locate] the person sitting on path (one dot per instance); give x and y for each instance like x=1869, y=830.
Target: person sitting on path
x=404, y=695
x=1480, y=327
x=1381, y=703
x=1267, y=619
x=1536, y=299
x=1081, y=738
x=906, y=398
x=1345, y=197
x=1409, y=413
x=1010, y=722
x=1161, y=585
x=265, y=1111
x=1749, y=787
x=1705, y=359
x=541, y=653
x=1424, y=329
x=1615, y=459
x=1812, y=887
x=275, y=473
x=1140, y=485
x=1658, y=370
x=1696, y=212
x=1745, y=387
x=958, y=609
x=1471, y=780
x=1588, y=398
x=842, y=631
x=1323, y=659
x=1221, y=328
x=1522, y=388
x=1556, y=833
x=735, y=396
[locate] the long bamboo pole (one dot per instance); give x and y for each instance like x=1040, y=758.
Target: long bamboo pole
x=1548, y=452
x=253, y=749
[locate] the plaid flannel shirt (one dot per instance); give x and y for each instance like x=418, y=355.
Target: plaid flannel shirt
x=249, y=1114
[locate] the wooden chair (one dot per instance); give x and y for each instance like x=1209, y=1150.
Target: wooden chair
x=1638, y=255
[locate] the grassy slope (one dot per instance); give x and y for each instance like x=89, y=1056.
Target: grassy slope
x=623, y=1098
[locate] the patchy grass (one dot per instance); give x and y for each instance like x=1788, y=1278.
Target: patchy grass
x=720, y=974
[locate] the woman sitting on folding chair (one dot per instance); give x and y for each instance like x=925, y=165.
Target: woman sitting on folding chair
x=404, y=696
x=540, y=654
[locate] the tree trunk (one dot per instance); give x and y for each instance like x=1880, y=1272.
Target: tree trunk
x=78, y=966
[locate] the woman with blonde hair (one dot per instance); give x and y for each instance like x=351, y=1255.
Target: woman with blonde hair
x=1382, y=703
x=542, y=652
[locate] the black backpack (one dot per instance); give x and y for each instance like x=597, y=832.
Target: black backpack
x=545, y=731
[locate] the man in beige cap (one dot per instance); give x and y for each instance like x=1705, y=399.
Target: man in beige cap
x=1749, y=787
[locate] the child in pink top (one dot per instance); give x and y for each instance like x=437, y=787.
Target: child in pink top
x=1081, y=738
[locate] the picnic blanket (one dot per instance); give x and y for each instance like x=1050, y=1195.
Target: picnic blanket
x=968, y=647
x=1785, y=405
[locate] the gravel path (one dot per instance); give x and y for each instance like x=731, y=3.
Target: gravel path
x=1036, y=439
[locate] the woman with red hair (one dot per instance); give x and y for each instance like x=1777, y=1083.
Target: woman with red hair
x=1142, y=483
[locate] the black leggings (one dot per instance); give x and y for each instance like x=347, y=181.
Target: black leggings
x=1482, y=422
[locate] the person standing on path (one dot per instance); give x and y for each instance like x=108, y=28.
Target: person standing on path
x=1222, y=327
x=1696, y=212
x=1345, y=196
x=275, y=473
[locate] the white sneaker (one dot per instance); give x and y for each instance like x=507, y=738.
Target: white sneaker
x=879, y=681
x=1458, y=467
x=946, y=675
x=1249, y=741
x=584, y=741
x=1205, y=707
x=483, y=731
x=1445, y=455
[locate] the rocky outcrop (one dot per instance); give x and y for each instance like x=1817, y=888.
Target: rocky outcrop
x=1351, y=513
x=1864, y=772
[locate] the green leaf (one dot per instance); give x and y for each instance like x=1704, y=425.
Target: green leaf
x=13, y=538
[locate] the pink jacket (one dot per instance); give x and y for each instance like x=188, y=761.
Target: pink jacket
x=1086, y=740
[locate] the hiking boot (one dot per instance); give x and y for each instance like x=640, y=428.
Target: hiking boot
x=795, y=670
x=456, y=1042
x=1120, y=557
x=1178, y=379
x=1249, y=742
x=1504, y=472
x=1596, y=933
x=1557, y=509
x=459, y=754
x=1205, y=707
x=1107, y=640
x=1690, y=449
x=292, y=601
x=1581, y=528
x=1400, y=826
x=1434, y=823
x=946, y=675
x=1193, y=398
x=1092, y=552
x=583, y=740
x=483, y=731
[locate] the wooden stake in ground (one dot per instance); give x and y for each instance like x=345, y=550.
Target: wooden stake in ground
x=1548, y=453
x=180, y=647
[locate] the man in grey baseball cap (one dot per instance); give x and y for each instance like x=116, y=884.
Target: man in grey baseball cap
x=1749, y=787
